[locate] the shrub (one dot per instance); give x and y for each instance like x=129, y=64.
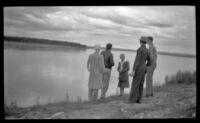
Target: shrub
x=182, y=77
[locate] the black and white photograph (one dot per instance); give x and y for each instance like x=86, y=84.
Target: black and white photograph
x=99, y=62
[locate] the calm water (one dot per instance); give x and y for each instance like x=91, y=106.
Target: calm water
x=52, y=74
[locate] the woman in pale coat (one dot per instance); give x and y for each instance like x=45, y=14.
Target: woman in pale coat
x=95, y=65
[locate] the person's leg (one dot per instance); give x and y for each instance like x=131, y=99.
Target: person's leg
x=134, y=88
x=151, y=84
x=153, y=69
x=106, y=79
x=95, y=94
x=103, y=88
x=149, y=81
x=121, y=91
x=141, y=88
x=119, y=85
x=90, y=94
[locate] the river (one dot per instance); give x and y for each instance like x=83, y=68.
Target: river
x=50, y=74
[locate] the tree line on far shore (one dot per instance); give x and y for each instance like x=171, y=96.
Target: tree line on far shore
x=41, y=41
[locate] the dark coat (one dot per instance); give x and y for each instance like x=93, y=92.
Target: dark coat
x=123, y=75
x=141, y=60
x=140, y=69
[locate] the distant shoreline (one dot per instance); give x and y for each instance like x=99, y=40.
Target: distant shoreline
x=160, y=53
x=42, y=44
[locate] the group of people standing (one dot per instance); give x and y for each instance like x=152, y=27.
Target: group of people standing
x=100, y=65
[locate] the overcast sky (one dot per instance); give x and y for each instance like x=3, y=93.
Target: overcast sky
x=173, y=27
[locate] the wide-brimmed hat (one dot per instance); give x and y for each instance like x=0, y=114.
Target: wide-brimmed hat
x=143, y=39
x=97, y=46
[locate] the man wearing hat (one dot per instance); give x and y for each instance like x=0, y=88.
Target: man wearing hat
x=139, y=71
x=151, y=67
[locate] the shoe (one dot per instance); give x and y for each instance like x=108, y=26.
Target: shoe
x=130, y=102
x=138, y=101
x=147, y=96
x=102, y=98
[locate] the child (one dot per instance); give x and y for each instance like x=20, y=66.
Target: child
x=123, y=68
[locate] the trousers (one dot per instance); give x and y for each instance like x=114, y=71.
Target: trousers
x=149, y=80
x=137, y=84
x=106, y=79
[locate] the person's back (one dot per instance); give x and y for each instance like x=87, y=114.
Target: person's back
x=143, y=55
x=153, y=54
x=95, y=66
x=95, y=62
x=108, y=58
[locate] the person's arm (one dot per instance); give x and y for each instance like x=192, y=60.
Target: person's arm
x=148, y=59
x=136, y=63
x=111, y=60
x=151, y=52
x=88, y=63
x=137, y=59
x=101, y=53
x=155, y=52
x=118, y=68
x=102, y=66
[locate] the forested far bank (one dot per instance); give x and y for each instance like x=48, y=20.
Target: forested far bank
x=23, y=40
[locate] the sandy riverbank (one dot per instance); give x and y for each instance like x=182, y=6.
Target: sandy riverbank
x=169, y=101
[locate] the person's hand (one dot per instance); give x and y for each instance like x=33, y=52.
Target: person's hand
x=104, y=70
x=132, y=74
x=89, y=69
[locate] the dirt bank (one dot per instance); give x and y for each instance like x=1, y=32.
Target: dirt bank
x=169, y=101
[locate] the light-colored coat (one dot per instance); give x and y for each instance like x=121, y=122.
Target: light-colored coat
x=96, y=65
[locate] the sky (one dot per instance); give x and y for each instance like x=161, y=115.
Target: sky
x=172, y=27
